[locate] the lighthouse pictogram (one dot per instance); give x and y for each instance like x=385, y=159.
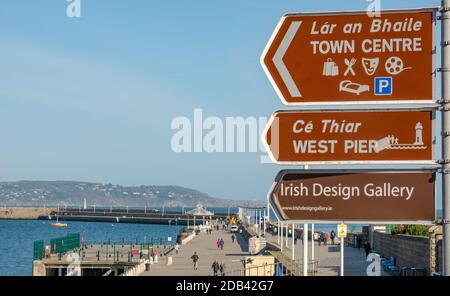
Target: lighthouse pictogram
x=391, y=142
x=419, y=133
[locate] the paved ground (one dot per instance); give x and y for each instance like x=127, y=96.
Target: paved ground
x=206, y=248
x=205, y=245
x=329, y=258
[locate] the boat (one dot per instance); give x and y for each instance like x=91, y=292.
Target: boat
x=57, y=224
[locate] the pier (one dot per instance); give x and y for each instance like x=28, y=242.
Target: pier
x=108, y=259
x=125, y=215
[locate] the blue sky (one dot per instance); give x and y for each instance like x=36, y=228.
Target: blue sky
x=92, y=99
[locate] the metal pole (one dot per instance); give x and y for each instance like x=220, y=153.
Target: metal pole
x=293, y=246
x=258, y=218
x=305, y=249
x=264, y=222
x=342, y=256
x=278, y=232
x=281, y=235
x=312, y=242
x=445, y=129
x=260, y=225
x=287, y=235
x=256, y=222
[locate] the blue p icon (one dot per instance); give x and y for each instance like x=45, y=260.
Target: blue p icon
x=383, y=86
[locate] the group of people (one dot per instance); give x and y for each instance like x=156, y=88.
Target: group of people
x=218, y=268
x=325, y=237
x=220, y=242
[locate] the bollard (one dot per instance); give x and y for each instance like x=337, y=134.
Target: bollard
x=169, y=260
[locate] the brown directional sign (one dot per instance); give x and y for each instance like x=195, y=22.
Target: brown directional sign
x=347, y=57
x=354, y=196
x=350, y=136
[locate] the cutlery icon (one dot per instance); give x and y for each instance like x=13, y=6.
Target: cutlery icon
x=350, y=64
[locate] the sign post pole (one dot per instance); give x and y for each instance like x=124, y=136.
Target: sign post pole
x=293, y=245
x=278, y=232
x=312, y=242
x=446, y=130
x=287, y=235
x=264, y=222
x=342, y=234
x=342, y=256
x=305, y=249
x=281, y=236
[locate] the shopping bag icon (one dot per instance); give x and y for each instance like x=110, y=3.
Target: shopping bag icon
x=330, y=68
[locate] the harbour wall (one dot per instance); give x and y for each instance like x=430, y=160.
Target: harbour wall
x=412, y=251
x=131, y=216
x=23, y=213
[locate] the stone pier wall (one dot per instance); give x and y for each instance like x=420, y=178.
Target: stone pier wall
x=23, y=213
x=412, y=251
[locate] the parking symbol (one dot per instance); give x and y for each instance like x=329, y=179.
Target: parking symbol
x=383, y=86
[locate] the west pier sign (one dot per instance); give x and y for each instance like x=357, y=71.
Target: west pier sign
x=350, y=136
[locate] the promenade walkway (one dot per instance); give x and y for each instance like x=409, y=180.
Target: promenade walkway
x=206, y=248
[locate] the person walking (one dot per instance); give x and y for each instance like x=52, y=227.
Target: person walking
x=195, y=260
x=218, y=243
x=332, y=236
x=222, y=242
x=367, y=248
x=222, y=268
x=232, y=238
x=215, y=267
x=320, y=238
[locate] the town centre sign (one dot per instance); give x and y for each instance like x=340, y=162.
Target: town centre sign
x=348, y=57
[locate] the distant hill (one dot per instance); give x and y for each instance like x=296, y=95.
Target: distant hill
x=38, y=193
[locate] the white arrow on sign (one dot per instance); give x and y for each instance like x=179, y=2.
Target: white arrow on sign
x=279, y=63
